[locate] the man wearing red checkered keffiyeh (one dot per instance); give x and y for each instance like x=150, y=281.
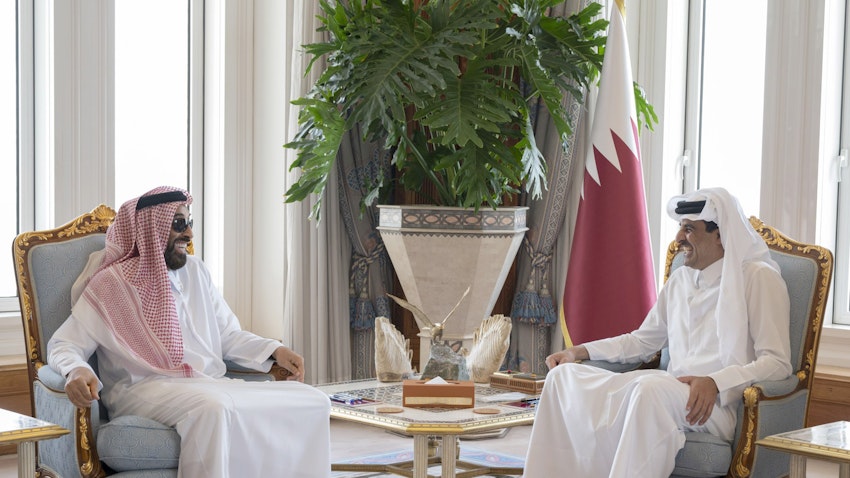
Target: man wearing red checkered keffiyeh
x=162, y=331
x=134, y=277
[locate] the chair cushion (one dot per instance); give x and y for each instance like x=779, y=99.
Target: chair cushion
x=170, y=473
x=137, y=443
x=704, y=455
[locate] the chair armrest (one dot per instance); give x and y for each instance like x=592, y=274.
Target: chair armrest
x=237, y=371
x=769, y=407
x=56, y=382
x=74, y=454
x=51, y=378
x=236, y=368
x=777, y=388
x=619, y=367
x=614, y=366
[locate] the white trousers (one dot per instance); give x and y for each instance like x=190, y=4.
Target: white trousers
x=232, y=428
x=594, y=423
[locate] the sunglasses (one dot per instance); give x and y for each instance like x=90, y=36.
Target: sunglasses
x=181, y=224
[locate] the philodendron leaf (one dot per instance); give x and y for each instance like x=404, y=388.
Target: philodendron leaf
x=449, y=87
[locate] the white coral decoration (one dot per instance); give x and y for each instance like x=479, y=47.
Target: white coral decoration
x=490, y=343
x=392, y=352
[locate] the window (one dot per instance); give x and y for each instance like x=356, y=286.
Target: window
x=151, y=96
x=730, y=53
x=153, y=57
x=8, y=142
x=16, y=136
x=730, y=75
x=841, y=271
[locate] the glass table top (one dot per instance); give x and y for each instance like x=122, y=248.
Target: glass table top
x=15, y=427
x=379, y=405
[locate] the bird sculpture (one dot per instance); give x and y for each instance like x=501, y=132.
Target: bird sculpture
x=490, y=343
x=392, y=352
x=443, y=360
x=424, y=322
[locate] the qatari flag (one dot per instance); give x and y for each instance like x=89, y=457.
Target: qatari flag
x=610, y=279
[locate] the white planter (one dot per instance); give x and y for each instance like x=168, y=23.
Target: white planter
x=438, y=252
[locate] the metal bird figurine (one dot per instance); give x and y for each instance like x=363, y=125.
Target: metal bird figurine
x=423, y=321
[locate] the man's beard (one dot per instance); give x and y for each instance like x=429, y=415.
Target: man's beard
x=173, y=259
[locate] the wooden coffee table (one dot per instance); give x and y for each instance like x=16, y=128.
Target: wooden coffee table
x=25, y=431
x=439, y=428
x=830, y=442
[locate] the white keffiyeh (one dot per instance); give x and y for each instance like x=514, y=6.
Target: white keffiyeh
x=741, y=244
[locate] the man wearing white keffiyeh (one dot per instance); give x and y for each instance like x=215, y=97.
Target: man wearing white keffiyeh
x=724, y=318
x=162, y=332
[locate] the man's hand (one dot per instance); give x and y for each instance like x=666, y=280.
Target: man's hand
x=81, y=387
x=569, y=355
x=291, y=361
x=701, y=399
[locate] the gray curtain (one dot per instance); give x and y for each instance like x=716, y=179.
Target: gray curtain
x=535, y=306
x=370, y=273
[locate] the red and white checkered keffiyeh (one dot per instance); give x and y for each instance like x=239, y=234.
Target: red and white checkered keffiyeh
x=131, y=290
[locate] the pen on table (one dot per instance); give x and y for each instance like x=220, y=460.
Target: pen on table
x=347, y=399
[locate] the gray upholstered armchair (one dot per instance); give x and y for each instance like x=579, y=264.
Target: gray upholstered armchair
x=46, y=264
x=768, y=407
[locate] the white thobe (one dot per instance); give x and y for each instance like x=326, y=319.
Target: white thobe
x=227, y=427
x=597, y=423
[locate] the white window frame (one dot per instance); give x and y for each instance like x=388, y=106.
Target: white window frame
x=841, y=291
x=26, y=143
x=229, y=150
x=196, y=117
x=12, y=348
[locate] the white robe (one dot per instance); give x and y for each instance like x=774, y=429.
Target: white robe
x=596, y=423
x=227, y=427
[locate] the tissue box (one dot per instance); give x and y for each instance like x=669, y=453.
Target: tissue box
x=453, y=394
x=522, y=382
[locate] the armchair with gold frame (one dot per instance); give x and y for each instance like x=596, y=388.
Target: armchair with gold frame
x=767, y=407
x=46, y=265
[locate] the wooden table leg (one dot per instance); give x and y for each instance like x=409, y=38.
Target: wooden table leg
x=26, y=459
x=420, y=456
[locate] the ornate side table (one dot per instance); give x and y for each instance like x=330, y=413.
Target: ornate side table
x=25, y=431
x=830, y=442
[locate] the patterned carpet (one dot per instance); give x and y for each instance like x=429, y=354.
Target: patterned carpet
x=467, y=454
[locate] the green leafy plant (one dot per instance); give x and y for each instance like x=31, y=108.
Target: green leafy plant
x=448, y=87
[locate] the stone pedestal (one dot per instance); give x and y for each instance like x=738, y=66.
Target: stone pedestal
x=438, y=252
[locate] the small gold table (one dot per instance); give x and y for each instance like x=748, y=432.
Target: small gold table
x=25, y=431
x=830, y=442
x=425, y=424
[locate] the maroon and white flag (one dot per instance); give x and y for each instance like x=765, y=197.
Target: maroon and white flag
x=610, y=279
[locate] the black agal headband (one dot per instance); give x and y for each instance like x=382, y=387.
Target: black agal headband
x=689, y=207
x=161, y=198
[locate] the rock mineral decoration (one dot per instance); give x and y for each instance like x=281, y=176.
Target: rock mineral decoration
x=445, y=362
